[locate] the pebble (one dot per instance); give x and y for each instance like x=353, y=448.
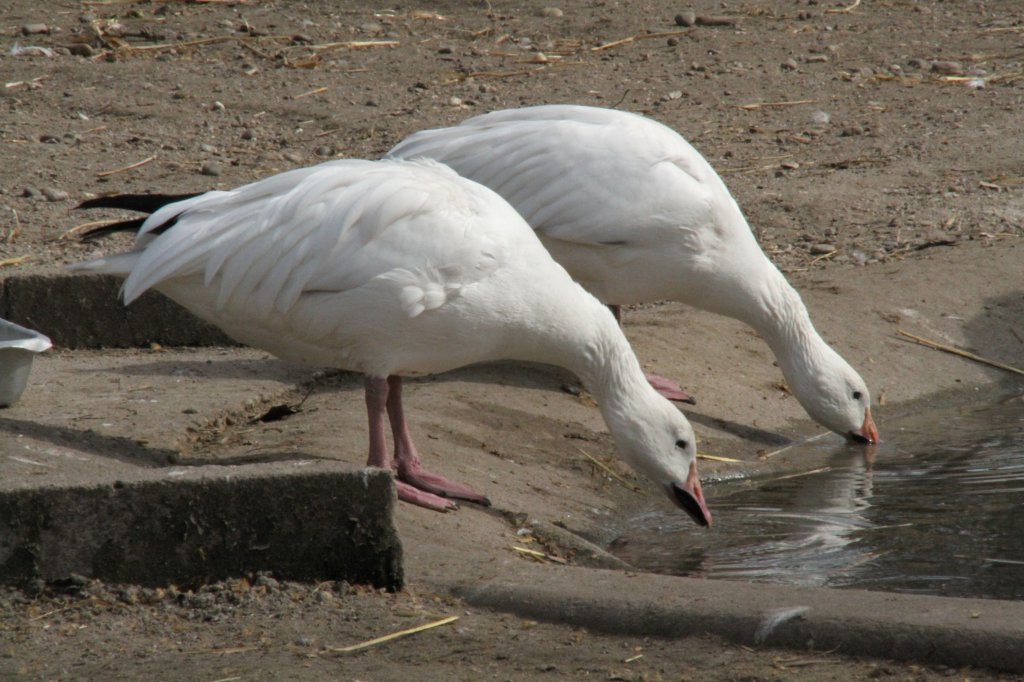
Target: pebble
x=822, y=249
x=455, y=101
x=686, y=18
x=324, y=150
x=210, y=168
x=82, y=50
x=916, y=63
x=820, y=117
x=54, y=194
x=551, y=12
x=47, y=138
x=948, y=68
x=217, y=106
x=208, y=148
x=293, y=157
x=816, y=58
x=789, y=65
x=248, y=134
x=34, y=29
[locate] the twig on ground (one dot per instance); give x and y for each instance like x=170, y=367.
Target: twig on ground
x=308, y=93
x=73, y=232
x=716, y=458
x=539, y=555
x=14, y=261
x=604, y=467
x=137, y=164
x=844, y=10
x=773, y=105
x=387, y=638
x=962, y=353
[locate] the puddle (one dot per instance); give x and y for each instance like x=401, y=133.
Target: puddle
x=940, y=510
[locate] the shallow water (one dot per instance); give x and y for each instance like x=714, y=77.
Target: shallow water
x=939, y=510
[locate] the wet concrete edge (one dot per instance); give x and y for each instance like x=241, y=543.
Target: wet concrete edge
x=933, y=630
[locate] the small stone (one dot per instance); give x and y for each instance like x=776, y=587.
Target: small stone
x=34, y=29
x=948, y=68
x=266, y=581
x=672, y=42
x=821, y=249
x=445, y=49
x=54, y=194
x=82, y=50
x=372, y=103
x=789, y=165
x=916, y=63
x=47, y=138
x=248, y=134
x=455, y=101
x=686, y=18
x=852, y=131
x=30, y=192
x=217, y=106
x=789, y=65
x=820, y=118
x=210, y=168
x=324, y=150
x=303, y=641
x=208, y=148
x=550, y=12
x=816, y=58
x=301, y=39
x=292, y=157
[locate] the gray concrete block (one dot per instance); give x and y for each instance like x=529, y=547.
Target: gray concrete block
x=187, y=526
x=86, y=311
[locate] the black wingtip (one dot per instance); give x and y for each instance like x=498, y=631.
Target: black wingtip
x=112, y=228
x=141, y=203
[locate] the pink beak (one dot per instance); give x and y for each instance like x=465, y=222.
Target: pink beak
x=867, y=432
x=689, y=497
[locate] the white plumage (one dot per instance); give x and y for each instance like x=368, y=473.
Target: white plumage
x=390, y=268
x=636, y=214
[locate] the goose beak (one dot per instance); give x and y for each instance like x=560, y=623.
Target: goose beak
x=690, y=499
x=867, y=433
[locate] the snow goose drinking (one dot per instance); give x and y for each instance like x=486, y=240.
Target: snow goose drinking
x=390, y=268
x=636, y=214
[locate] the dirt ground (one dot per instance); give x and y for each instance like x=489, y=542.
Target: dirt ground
x=875, y=147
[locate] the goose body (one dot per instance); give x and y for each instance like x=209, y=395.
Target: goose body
x=391, y=268
x=636, y=214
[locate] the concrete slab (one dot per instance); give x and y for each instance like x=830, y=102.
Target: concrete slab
x=189, y=525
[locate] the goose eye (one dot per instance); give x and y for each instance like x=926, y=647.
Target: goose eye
x=857, y=395
x=681, y=444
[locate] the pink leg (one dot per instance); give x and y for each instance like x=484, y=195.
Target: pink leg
x=665, y=387
x=670, y=389
x=376, y=405
x=410, y=469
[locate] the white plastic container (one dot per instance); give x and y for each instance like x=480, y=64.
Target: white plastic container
x=18, y=347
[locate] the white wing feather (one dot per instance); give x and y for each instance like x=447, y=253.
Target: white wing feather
x=324, y=229
x=660, y=182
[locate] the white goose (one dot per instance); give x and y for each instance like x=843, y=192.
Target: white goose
x=395, y=267
x=636, y=214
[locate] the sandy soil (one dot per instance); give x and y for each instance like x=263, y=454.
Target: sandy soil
x=875, y=149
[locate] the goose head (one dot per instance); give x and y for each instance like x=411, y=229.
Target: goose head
x=659, y=443
x=839, y=400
